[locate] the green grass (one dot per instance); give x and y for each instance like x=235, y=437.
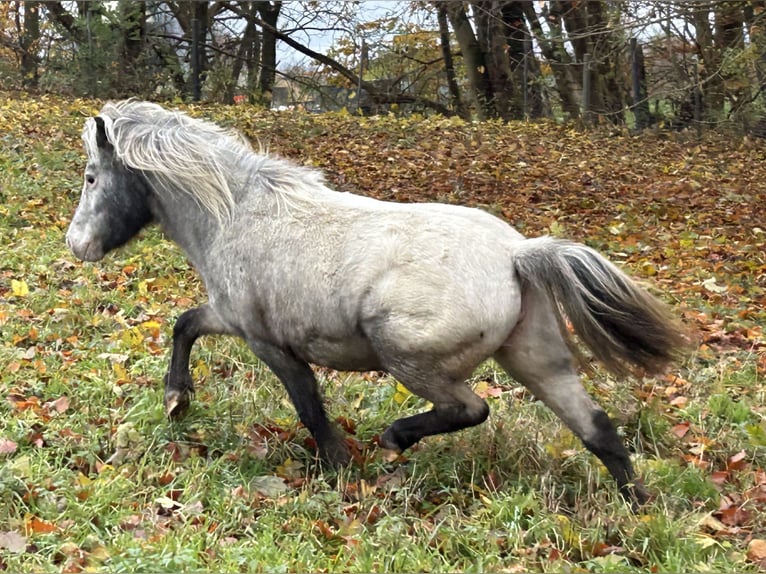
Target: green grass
x=235, y=485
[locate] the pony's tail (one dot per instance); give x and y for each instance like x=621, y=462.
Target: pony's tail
x=623, y=325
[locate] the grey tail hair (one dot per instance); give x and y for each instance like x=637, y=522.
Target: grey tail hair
x=622, y=324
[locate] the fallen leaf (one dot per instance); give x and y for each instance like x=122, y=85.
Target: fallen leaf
x=37, y=525
x=13, y=542
x=737, y=461
x=602, y=549
x=756, y=552
x=290, y=469
x=19, y=288
x=7, y=446
x=713, y=287
x=734, y=516
x=402, y=393
x=680, y=429
x=712, y=523
x=59, y=405
x=719, y=477
x=269, y=486
x=679, y=401
x=485, y=390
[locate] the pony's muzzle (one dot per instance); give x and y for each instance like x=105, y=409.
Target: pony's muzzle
x=83, y=247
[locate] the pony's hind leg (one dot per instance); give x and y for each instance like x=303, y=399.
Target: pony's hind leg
x=537, y=356
x=191, y=325
x=455, y=407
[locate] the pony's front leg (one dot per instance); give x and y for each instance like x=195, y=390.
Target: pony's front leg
x=301, y=385
x=191, y=325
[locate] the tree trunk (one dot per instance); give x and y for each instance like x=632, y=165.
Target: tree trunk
x=711, y=82
x=729, y=36
x=244, y=52
x=133, y=22
x=449, y=66
x=589, y=33
x=729, y=23
x=757, y=30
x=530, y=96
x=505, y=100
x=185, y=13
x=473, y=57
x=253, y=62
x=201, y=14
x=29, y=45
x=606, y=51
x=638, y=76
x=558, y=58
x=63, y=18
x=269, y=14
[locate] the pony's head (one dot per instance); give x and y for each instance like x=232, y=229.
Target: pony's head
x=114, y=202
x=136, y=149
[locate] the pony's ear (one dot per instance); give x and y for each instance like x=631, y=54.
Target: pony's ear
x=101, y=139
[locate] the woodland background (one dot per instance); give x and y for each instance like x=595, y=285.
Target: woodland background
x=643, y=63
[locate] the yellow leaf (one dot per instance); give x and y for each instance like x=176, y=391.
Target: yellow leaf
x=200, y=370
x=120, y=372
x=152, y=327
x=82, y=481
x=132, y=337
x=569, y=531
x=402, y=394
x=705, y=541
x=19, y=288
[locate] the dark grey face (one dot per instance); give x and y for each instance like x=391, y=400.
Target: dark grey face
x=114, y=205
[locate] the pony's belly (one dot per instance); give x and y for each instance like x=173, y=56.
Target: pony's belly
x=350, y=355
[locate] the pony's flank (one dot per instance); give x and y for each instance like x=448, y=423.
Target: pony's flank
x=178, y=153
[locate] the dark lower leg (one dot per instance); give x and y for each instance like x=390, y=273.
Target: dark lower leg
x=405, y=432
x=179, y=386
x=606, y=444
x=301, y=385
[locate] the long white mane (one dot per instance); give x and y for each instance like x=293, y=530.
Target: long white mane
x=193, y=156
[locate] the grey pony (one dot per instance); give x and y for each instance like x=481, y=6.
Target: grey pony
x=307, y=275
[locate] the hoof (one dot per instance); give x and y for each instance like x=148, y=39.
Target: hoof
x=637, y=495
x=389, y=441
x=333, y=449
x=336, y=454
x=176, y=403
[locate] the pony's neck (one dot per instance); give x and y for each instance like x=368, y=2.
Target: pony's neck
x=191, y=226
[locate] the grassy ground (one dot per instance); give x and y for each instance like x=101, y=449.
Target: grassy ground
x=93, y=477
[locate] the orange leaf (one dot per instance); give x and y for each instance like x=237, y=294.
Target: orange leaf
x=719, y=477
x=325, y=529
x=737, y=461
x=602, y=549
x=679, y=401
x=756, y=551
x=36, y=525
x=734, y=516
x=25, y=404
x=680, y=429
